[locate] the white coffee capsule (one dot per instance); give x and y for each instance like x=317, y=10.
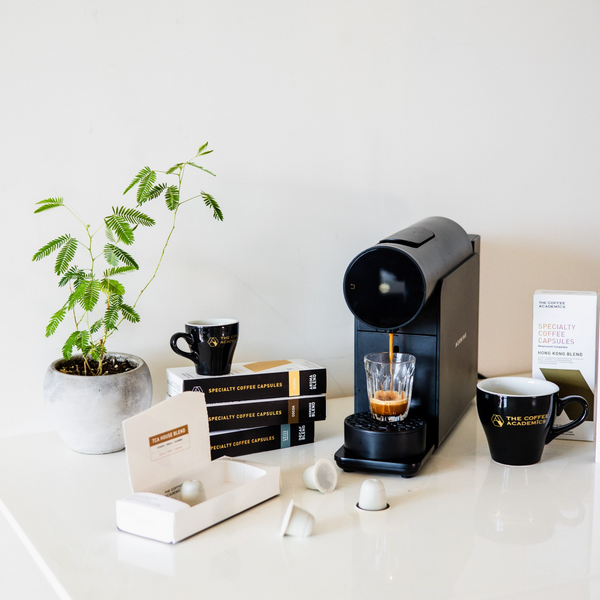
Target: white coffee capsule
x=297, y=521
x=192, y=492
x=321, y=476
x=372, y=495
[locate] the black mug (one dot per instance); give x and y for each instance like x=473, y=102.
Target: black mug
x=212, y=343
x=517, y=415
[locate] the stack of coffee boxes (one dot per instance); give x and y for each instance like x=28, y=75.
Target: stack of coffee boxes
x=258, y=406
x=565, y=345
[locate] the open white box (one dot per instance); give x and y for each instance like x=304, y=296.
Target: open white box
x=169, y=444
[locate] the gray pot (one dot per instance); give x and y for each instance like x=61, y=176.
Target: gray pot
x=88, y=411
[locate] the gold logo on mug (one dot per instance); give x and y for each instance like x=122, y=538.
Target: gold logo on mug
x=497, y=420
x=213, y=342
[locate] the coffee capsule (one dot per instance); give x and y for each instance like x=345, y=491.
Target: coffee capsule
x=297, y=521
x=192, y=492
x=372, y=495
x=321, y=476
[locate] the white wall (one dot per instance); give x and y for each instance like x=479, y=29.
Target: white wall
x=334, y=123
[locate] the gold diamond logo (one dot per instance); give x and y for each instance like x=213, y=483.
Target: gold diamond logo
x=213, y=342
x=497, y=420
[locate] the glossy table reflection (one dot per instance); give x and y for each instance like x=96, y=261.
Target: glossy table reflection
x=463, y=528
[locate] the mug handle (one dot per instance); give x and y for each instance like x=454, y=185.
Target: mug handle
x=560, y=405
x=193, y=356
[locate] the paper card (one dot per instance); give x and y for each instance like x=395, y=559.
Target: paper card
x=167, y=443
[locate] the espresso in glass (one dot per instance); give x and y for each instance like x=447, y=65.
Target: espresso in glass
x=389, y=384
x=388, y=403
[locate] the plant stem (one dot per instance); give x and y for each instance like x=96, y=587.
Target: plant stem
x=162, y=254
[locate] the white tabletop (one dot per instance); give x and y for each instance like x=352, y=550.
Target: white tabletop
x=463, y=528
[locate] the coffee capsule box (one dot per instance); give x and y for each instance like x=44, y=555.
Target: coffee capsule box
x=252, y=381
x=565, y=348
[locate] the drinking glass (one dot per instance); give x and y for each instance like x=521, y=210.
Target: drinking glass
x=389, y=384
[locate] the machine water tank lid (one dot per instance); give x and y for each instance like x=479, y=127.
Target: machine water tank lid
x=413, y=237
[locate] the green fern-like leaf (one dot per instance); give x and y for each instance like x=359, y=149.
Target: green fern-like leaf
x=174, y=168
x=96, y=327
x=156, y=191
x=172, y=197
x=90, y=297
x=143, y=172
x=145, y=186
x=193, y=164
x=73, y=274
x=47, y=204
x=133, y=216
x=77, y=294
x=112, y=286
x=121, y=228
x=212, y=204
x=109, y=235
x=130, y=313
x=112, y=252
x=84, y=342
x=111, y=315
x=65, y=255
x=110, y=255
x=51, y=247
x=70, y=344
x=118, y=271
x=56, y=319
x=202, y=151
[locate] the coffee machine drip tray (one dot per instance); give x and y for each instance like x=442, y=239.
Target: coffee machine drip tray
x=369, y=445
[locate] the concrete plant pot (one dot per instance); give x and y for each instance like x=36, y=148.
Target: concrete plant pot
x=88, y=411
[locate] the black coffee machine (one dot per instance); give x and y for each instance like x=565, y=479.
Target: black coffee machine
x=421, y=285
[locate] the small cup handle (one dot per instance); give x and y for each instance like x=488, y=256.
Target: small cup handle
x=560, y=405
x=193, y=356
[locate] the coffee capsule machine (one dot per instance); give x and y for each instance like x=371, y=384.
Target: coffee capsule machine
x=420, y=285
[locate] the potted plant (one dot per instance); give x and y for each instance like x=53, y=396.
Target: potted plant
x=90, y=391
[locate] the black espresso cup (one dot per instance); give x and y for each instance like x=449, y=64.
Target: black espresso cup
x=212, y=343
x=517, y=415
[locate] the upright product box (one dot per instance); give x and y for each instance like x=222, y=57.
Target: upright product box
x=167, y=445
x=565, y=347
